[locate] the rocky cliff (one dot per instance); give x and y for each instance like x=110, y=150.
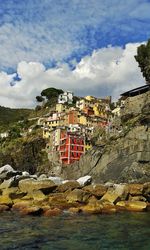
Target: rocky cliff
x=124, y=157
x=25, y=154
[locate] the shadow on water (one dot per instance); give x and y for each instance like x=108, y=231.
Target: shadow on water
x=75, y=232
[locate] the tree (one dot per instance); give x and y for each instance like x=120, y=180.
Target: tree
x=39, y=98
x=143, y=59
x=51, y=93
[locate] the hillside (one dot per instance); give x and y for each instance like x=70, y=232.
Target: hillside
x=9, y=116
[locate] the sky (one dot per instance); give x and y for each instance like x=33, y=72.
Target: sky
x=85, y=46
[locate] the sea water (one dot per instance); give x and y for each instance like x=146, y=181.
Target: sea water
x=75, y=232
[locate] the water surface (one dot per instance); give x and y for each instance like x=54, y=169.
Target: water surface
x=75, y=232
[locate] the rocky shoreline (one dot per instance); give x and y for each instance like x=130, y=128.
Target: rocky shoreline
x=51, y=196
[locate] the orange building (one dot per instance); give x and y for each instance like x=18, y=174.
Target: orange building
x=71, y=147
x=73, y=117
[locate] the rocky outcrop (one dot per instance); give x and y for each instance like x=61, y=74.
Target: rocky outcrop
x=35, y=197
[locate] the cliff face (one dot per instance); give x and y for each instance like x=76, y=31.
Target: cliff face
x=124, y=157
x=25, y=154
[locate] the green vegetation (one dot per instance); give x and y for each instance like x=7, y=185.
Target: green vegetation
x=143, y=59
x=49, y=97
x=9, y=116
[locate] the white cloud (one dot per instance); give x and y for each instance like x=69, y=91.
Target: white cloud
x=108, y=71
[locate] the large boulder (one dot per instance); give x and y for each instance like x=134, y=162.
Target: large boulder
x=28, y=185
x=5, y=200
x=13, y=181
x=56, y=180
x=7, y=183
x=115, y=194
x=14, y=193
x=97, y=190
x=78, y=195
x=58, y=200
x=69, y=185
x=52, y=212
x=85, y=180
x=135, y=189
x=6, y=168
x=135, y=206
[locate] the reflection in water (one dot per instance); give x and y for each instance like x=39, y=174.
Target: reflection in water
x=75, y=232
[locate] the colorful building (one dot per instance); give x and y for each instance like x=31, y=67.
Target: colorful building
x=66, y=97
x=71, y=147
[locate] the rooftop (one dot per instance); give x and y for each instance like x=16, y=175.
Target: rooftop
x=136, y=91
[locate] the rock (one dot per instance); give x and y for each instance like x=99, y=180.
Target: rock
x=7, y=183
x=4, y=208
x=28, y=185
x=5, y=200
x=75, y=210
x=52, y=212
x=8, y=175
x=146, y=191
x=77, y=195
x=42, y=177
x=69, y=185
x=111, y=197
x=136, y=206
x=137, y=198
x=38, y=195
x=20, y=205
x=36, y=211
x=97, y=190
x=109, y=184
x=6, y=168
x=148, y=207
x=115, y=194
x=135, y=189
x=85, y=180
x=121, y=206
x=93, y=206
x=14, y=193
x=58, y=200
x=108, y=208
x=56, y=180
x=25, y=173
x=12, y=182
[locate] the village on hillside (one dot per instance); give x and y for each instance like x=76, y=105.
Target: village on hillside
x=69, y=127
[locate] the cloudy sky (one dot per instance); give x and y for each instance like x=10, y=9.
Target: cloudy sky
x=86, y=46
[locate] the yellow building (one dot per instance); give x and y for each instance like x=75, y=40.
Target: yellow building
x=90, y=98
x=87, y=146
x=83, y=119
x=46, y=133
x=60, y=107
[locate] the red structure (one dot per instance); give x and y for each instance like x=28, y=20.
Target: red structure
x=71, y=147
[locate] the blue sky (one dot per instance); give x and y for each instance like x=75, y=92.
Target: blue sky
x=62, y=34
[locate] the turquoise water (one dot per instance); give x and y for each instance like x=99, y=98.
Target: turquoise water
x=75, y=232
